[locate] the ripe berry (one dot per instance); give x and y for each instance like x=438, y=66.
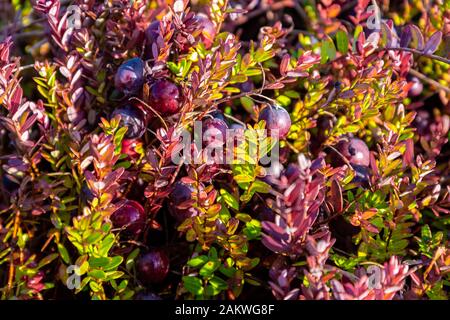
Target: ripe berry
x=153, y=267
x=422, y=122
x=362, y=174
x=217, y=114
x=208, y=30
x=165, y=97
x=180, y=193
x=277, y=118
x=416, y=88
x=354, y=150
x=130, y=76
x=132, y=118
x=130, y=216
x=214, y=132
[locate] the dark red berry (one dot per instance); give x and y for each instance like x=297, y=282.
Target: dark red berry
x=132, y=118
x=130, y=76
x=362, y=174
x=422, y=122
x=217, y=114
x=354, y=150
x=153, y=267
x=208, y=30
x=277, y=118
x=246, y=86
x=416, y=88
x=130, y=216
x=214, y=132
x=165, y=97
x=181, y=193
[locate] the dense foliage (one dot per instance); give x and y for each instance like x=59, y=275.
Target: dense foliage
x=94, y=96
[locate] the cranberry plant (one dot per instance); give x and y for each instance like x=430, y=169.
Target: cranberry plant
x=350, y=101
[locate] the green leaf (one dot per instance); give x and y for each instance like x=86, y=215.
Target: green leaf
x=63, y=253
x=198, y=261
x=106, y=245
x=342, y=41
x=98, y=274
x=114, y=263
x=208, y=268
x=46, y=260
x=193, y=285
x=229, y=199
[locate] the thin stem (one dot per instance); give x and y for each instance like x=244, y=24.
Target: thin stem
x=421, y=76
x=431, y=56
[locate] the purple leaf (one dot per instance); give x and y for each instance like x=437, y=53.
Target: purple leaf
x=433, y=43
x=406, y=37
x=417, y=37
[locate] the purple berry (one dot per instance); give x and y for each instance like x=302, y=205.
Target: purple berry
x=214, y=132
x=153, y=267
x=277, y=118
x=165, y=97
x=130, y=216
x=422, y=122
x=130, y=76
x=416, y=88
x=354, y=150
x=208, y=30
x=132, y=118
x=180, y=194
x=362, y=174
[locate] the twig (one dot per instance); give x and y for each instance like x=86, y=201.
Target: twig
x=431, y=56
x=421, y=76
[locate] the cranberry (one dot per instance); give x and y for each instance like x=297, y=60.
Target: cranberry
x=131, y=216
x=153, y=267
x=165, y=97
x=217, y=114
x=132, y=118
x=354, y=150
x=246, y=86
x=208, y=30
x=277, y=118
x=214, y=132
x=417, y=87
x=130, y=76
x=180, y=194
x=422, y=122
x=362, y=174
